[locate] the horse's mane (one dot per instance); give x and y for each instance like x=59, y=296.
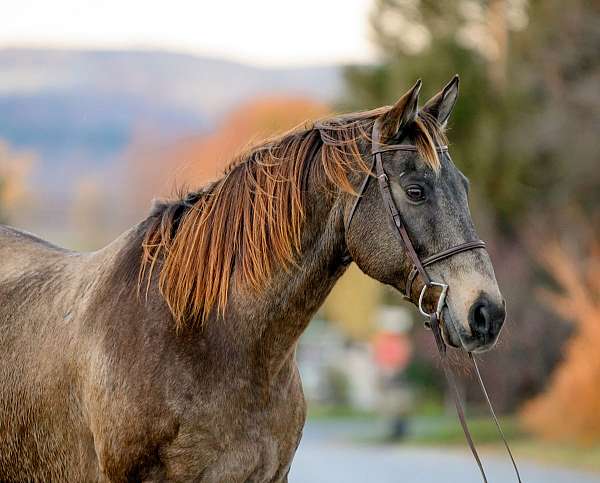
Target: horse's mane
x=250, y=220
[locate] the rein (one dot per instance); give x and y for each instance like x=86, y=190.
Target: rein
x=432, y=318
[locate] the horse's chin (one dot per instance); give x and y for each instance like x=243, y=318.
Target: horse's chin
x=449, y=330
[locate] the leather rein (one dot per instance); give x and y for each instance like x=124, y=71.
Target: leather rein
x=433, y=318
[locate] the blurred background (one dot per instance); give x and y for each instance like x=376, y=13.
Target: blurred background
x=106, y=105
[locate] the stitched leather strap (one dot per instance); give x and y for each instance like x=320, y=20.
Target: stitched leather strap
x=493, y=414
x=385, y=190
x=361, y=192
x=419, y=269
x=403, y=147
x=434, y=322
x=450, y=252
x=435, y=328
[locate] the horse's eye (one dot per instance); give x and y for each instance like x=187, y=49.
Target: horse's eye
x=415, y=193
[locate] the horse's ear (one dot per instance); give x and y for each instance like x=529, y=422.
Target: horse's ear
x=402, y=113
x=440, y=106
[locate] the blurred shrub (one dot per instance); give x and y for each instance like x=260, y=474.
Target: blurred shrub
x=337, y=386
x=14, y=169
x=570, y=407
x=353, y=304
x=445, y=430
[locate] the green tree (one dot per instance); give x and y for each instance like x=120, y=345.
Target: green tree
x=517, y=63
x=524, y=131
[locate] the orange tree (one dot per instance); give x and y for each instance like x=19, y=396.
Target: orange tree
x=570, y=407
x=15, y=167
x=155, y=169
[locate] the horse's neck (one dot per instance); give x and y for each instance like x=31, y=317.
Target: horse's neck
x=282, y=311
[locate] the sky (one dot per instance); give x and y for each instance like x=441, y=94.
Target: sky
x=260, y=32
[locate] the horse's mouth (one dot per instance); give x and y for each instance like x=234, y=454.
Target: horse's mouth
x=450, y=331
x=458, y=339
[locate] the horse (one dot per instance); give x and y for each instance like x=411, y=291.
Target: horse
x=169, y=355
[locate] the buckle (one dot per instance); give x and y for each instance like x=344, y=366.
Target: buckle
x=440, y=302
x=384, y=181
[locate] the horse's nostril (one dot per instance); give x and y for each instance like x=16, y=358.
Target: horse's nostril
x=486, y=317
x=480, y=317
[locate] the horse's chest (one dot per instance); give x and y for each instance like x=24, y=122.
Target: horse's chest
x=252, y=461
x=238, y=440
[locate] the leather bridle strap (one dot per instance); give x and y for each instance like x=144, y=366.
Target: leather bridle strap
x=434, y=324
x=450, y=252
x=419, y=269
x=418, y=266
x=493, y=414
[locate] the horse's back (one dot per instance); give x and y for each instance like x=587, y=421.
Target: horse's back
x=39, y=365
x=36, y=290
x=21, y=251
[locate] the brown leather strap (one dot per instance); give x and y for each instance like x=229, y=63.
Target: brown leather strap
x=361, y=192
x=385, y=190
x=419, y=269
x=463, y=247
x=403, y=147
x=435, y=328
x=493, y=413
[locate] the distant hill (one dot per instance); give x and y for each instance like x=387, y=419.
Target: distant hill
x=78, y=110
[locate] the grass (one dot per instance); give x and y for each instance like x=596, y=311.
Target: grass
x=326, y=412
x=559, y=454
x=446, y=431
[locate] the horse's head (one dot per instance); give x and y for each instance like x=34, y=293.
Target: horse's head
x=431, y=195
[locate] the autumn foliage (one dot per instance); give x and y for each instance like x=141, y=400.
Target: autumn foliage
x=14, y=170
x=570, y=407
x=250, y=124
x=191, y=162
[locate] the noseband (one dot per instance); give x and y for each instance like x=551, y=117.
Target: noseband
x=418, y=268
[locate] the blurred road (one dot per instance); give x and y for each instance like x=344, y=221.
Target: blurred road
x=325, y=455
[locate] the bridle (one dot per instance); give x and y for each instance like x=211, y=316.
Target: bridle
x=400, y=231
x=433, y=318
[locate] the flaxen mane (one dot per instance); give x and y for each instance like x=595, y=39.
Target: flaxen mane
x=250, y=220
